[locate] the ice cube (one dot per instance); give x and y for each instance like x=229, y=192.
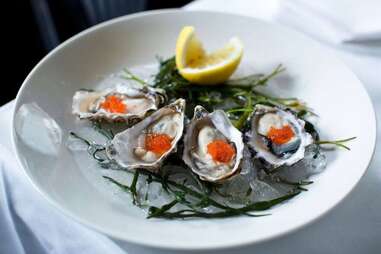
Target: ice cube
x=313, y=162
x=262, y=191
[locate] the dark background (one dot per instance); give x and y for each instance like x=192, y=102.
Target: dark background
x=35, y=27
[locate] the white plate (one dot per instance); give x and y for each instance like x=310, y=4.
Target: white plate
x=43, y=119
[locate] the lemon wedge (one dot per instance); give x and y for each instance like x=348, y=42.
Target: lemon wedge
x=199, y=67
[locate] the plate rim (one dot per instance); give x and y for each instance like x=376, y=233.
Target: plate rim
x=220, y=246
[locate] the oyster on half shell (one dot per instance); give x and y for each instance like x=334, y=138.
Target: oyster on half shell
x=125, y=102
x=213, y=147
x=277, y=136
x=149, y=142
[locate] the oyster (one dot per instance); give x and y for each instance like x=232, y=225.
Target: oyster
x=213, y=147
x=149, y=142
x=277, y=136
x=125, y=102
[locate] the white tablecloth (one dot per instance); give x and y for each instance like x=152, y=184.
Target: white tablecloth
x=28, y=224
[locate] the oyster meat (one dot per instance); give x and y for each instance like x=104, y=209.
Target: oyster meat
x=149, y=142
x=125, y=102
x=277, y=136
x=213, y=147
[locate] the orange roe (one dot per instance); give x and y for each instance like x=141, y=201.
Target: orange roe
x=114, y=104
x=158, y=143
x=280, y=136
x=221, y=151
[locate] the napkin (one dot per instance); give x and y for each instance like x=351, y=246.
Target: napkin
x=338, y=21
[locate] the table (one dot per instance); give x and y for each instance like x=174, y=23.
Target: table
x=354, y=226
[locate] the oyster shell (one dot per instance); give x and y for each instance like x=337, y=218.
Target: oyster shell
x=149, y=142
x=213, y=147
x=277, y=136
x=125, y=102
